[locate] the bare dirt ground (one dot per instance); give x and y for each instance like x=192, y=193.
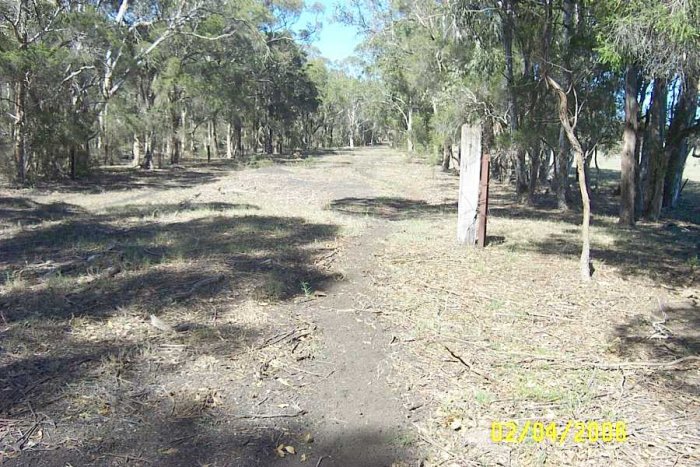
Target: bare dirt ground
x=318, y=312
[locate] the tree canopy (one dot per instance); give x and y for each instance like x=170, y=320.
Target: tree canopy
x=92, y=82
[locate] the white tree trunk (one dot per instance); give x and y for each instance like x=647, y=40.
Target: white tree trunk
x=136, y=151
x=409, y=131
x=229, y=142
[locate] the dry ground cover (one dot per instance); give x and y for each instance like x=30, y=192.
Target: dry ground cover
x=318, y=312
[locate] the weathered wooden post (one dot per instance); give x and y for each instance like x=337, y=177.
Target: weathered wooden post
x=473, y=188
x=484, y=191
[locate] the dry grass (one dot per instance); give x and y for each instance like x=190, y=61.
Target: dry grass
x=539, y=344
x=85, y=373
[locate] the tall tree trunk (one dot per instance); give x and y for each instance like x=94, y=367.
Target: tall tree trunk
x=73, y=162
x=103, y=141
x=676, y=141
x=20, y=130
x=183, y=135
x=446, y=153
x=409, y=131
x=229, y=142
x=215, y=138
x=535, y=161
x=136, y=151
x=174, y=143
x=148, y=151
x=269, y=146
x=653, y=151
x=210, y=138
x=240, y=150
x=351, y=136
x=640, y=159
x=563, y=161
x=629, y=148
x=585, y=262
x=508, y=26
x=561, y=171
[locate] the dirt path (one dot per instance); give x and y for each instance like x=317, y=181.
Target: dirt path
x=292, y=353
x=357, y=417
x=354, y=412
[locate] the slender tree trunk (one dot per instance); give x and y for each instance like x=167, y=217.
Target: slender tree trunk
x=148, y=151
x=641, y=163
x=561, y=171
x=174, y=143
x=410, y=146
x=229, y=142
x=351, y=136
x=215, y=139
x=269, y=147
x=653, y=151
x=446, y=153
x=585, y=262
x=629, y=148
x=240, y=150
x=20, y=130
x=103, y=141
x=210, y=138
x=513, y=123
x=73, y=162
x=535, y=161
x=183, y=135
x=563, y=156
x=677, y=145
x=136, y=151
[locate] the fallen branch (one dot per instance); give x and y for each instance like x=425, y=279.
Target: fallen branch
x=467, y=365
x=274, y=415
x=294, y=334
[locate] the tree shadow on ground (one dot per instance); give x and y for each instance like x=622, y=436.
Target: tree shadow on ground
x=122, y=258
x=93, y=267
x=664, y=334
x=131, y=178
x=23, y=211
x=663, y=253
x=161, y=439
x=391, y=208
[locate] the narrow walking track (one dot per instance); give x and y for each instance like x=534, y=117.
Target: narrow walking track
x=356, y=414
x=238, y=392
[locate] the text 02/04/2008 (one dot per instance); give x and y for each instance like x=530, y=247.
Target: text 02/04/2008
x=576, y=431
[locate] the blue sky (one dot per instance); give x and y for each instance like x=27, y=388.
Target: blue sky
x=335, y=41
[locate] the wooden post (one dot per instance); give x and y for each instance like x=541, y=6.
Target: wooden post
x=483, y=198
x=469, y=179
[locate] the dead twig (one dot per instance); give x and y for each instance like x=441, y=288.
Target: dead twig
x=274, y=415
x=467, y=365
x=294, y=334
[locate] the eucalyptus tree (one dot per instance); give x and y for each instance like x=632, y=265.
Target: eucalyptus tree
x=653, y=41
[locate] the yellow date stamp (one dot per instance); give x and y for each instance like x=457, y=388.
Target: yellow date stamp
x=577, y=431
